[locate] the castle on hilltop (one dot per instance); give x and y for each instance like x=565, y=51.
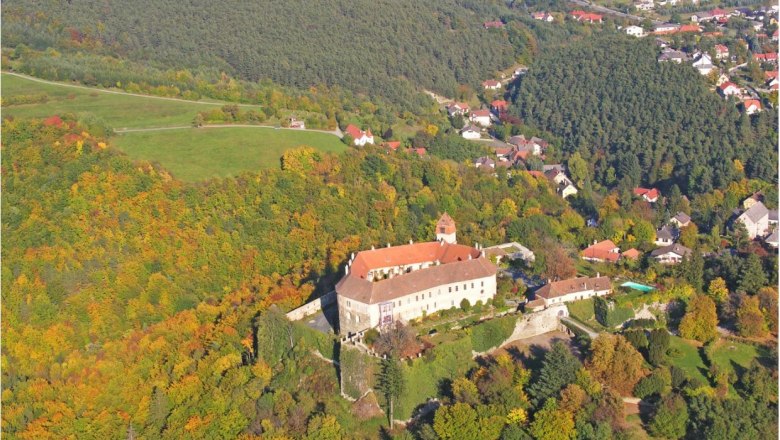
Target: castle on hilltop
x=405, y=282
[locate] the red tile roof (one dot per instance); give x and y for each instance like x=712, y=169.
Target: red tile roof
x=499, y=104
x=355, y=132
x=752, y=102
x=480, y=113
x=536, y=174
x=720, y=48
x=769, y=56
x=647, y=193
x=393, y=145
x=574, y=285
x=604, y=250
x=689, y=28
x=632, y=254
x=445, y=225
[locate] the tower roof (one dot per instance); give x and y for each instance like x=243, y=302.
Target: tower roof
x=445, y=225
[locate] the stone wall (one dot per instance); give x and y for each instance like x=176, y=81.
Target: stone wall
x=537, y=323
x=312, y=307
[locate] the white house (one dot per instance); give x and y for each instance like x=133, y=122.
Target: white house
x=567, y=190
x=457, y=108
x=491, y=84
x=635, y=31
x=400, y=283
x=681, y=220
x=665, y=236
x=481, y=117
x=574, y=289
x=470, y=132
x=721, y=52
x=671, y=254
x=728, y=88
x=756, y=220
x=751, y=106
x=644, y=6
x=360, y=137
x=703, y=63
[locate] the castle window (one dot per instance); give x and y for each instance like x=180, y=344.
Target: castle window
x=349, y=304
x=450, y=289
x=482, y=284
x=429, y=294
x=357, y=319
x=464, y=286
x=456, y=288
x=472, y=285
x=416, y=298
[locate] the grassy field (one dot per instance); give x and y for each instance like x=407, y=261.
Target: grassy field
x=689, y=359
x=728, y=352
x=193, y=154
x=118, y=111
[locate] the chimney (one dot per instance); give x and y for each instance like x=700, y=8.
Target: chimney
x=346, y=270
x=482, y=254
x=388, y=244
x=411, y=242
x=372, y=247
x=352, y=257
x=594, y=241
x=469, y=256
x=441, y=242
x=598, y=274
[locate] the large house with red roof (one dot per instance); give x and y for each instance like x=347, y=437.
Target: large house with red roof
x=359, y=137
x=769, y=57
x=603, y=251
x=587, y=17
x=647, y=194
x=401, y=283
x=491, y=84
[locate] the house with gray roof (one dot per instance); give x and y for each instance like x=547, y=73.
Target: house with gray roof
x=681, y=220
x=756, y=220
x=671, y=254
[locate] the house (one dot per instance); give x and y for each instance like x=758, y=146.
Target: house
x=631, y=254
x=751, y=106
x=603, y=251
x=543, y=16
x=712, y=15
x=672, y=55
x=703, y=63
x=535, y=145
x=665, y=236
x=771, y=240
x=493, y=24
x=457, y=108
x=671, y=254
x=558, y=177
x=512, y=251
x=681, y=220
x=665, y=28
x=400, y=283
x=486, y=162
x=688, y=28
x=574, y=289
x=756, y=220
x=644, y=6
x=481, y=117
x=491, y=84
x=769, y=57
x=721, y=52
x=647, y=194
x=420, y=151
x=728, y=88
x=360, y=137
x=723, y=78
x=499, y=106
x=586, y=17
x=635, y=31
x=295, y=123
x=567, y=190
x=470, y=132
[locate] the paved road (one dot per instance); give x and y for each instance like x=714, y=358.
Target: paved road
x=337, y=132
x=610, y=11
x=117, y=92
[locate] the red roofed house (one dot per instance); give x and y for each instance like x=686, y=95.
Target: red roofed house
x=400, y=283
x=360, y=137
x=418, y=151
x=481, y=117
x=769, y=57
x=537, y=174
x=602, y=251
x=631, y=254
x=728, y=88
x=689, y=28
x=491, y=84
x=499, y=106
x=543, y=16
x=493, y=24
x=588, y=17
x=574, y=289
x=721, y=52
x=647, y=194
x=457, y=108
x=751, y=106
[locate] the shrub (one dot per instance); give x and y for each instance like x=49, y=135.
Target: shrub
x=491, y=333
x=465, y=305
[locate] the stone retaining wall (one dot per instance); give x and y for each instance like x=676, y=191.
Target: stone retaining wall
x=312, y=307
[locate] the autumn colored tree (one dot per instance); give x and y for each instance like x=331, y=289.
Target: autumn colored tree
x=398, y=341
x=750, y=320
x=456, y=422
x=553, y=423
x=718, y=290
x=701, y=319
x=615, y=362
x=689, y=235
x=767, y=299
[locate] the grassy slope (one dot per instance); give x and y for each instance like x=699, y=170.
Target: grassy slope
x=689, y=360
x=189, y=154
x=118, y=111
x=195, y=154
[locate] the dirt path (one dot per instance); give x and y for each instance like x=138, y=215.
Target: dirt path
x=337, y=132
x=117, y=92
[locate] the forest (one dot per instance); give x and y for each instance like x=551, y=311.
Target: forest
x=435, y=45
x=636, y=121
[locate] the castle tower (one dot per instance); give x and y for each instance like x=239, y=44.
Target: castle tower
x=445, y=229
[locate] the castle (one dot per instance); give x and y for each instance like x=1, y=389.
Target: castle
x=405, y=282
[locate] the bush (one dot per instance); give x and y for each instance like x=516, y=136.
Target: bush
x=370, y=336
x=491, y=333
x=609, y=314
x=642, y=323
x=465, y=305
x=637, y=338
x=657, y=383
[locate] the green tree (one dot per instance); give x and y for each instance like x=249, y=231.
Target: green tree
x=701, y=319
x=551, y=423
x=718, y=290
x=391, y=384
x=559, y=368
x=658, y=343
x=751, y=275
x=456, y=422
x=670, y=418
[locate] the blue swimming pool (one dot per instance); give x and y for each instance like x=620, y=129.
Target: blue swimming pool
x=637, y=286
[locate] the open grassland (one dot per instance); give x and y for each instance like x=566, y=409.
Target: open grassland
x=117, y=110
x=688, y=358
x=193, y=154
x=727, y=354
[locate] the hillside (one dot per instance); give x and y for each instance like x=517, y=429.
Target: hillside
x=639, y=121
x=361, y=45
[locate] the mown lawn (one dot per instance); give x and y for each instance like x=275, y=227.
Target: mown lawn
x=689, y=358
x=582, y=310
x=194, y=154
x=116, y=110
x=727, y=353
